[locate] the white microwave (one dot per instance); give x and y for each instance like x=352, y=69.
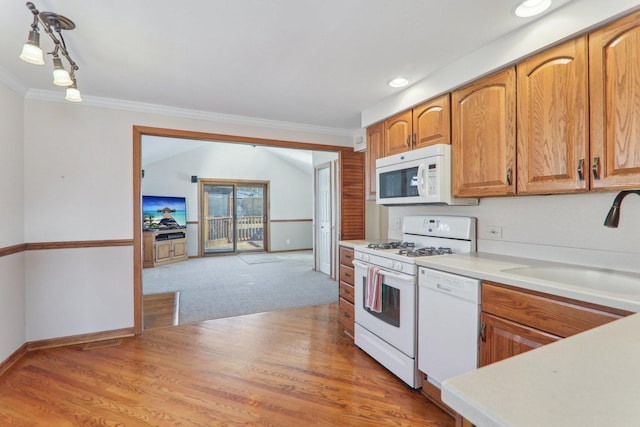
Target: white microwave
x=421, y=176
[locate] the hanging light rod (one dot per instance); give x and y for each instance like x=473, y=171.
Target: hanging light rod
x=53, y=25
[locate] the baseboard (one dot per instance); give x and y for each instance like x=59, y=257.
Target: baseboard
x=291, y=250
x=6, y=364
x=80, y=339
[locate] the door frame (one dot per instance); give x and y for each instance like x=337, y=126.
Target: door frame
x=138, y=131
x=234, y=183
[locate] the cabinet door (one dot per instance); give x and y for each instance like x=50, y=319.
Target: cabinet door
x=375, y=150
x=614, y=68
x=432, y=122
x=179, y=248
x=163, y=251
x=397, y=134
x=484, y=137
x=552, y=145
x=500, y=339
x=352, y=195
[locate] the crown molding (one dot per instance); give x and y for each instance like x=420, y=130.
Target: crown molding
x=12, y=83
x=142, y=107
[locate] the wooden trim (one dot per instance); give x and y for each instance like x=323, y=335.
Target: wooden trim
x=80, y=339
x=138, y=321
x=193, y=222
x=184, y=134
x=9, y=250
x=77, y=244
x=290, y=250
x=6, y=364
x=293, y=220
x=138, y=131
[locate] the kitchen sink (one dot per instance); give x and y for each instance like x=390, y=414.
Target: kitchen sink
x=584, y=277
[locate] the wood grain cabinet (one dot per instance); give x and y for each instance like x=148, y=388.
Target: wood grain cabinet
x=484, y=136
x=614, y=67
x=514, y=321
x=431, y=122
x=426, y=124
x=345, y=301
x=163, y=247
x=398, y=132
x=553, y=120
x=375, y=150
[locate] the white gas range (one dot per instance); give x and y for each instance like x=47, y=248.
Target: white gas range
x=389, y=335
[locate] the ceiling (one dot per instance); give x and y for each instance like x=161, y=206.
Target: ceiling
x=317, y=63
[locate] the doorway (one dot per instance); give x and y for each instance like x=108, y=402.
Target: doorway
x=233, y=216
x=324, y=230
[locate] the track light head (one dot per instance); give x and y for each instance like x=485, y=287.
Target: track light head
x=31, y=51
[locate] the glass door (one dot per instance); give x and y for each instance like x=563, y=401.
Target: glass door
x=233, y=217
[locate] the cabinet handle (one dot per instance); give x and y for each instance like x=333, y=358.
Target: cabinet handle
x=409, y=140
x=581, y=169
x=595, y=167
x=347, y=274
x=413, y=142
x=483, y=337
x=509, y=177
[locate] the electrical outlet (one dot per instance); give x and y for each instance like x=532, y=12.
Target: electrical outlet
x=493, y=231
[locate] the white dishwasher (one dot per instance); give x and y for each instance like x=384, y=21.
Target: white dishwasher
x=448, y=318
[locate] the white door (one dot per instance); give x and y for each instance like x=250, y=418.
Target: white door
x=323, y=218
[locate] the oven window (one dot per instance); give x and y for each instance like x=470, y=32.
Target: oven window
x=400, y=183
x=390, y=305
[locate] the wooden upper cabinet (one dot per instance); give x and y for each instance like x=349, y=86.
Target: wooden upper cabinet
x=553, y=120
x=432, y=122
x=398, y=133
x=614, y=71
x=375, y=150
x=484, y=136
x=352, y=195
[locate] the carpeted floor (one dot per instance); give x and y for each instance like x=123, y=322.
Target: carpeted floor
x=227, y=286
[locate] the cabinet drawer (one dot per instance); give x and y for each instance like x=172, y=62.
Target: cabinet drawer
x=346, y=291
x=346, y=315
x=346, y=274
x=346, y=256
x=556, y=315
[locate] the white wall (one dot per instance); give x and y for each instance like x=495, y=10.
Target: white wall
x=565, y=228
x=290, y=189
x=78, y=172
x=12, y=282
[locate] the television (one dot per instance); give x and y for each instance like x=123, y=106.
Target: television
x=157, y=211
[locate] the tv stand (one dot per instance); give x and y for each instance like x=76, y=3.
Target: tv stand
x=160, y=247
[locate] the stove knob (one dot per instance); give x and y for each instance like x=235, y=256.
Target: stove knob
x=366, y=257
x=399, y=266
x=359, y=255
x=390, y=263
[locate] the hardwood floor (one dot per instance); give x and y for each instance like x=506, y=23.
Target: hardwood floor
x=161, y=309
x=283, y=368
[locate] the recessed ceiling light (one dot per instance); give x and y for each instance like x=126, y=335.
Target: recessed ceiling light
x=398, y=82
x=531, y=8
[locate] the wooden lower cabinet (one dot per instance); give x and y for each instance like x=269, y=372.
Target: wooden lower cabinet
x=502, y=338
x=345, y=302
x=163, y=247
x=514, y=321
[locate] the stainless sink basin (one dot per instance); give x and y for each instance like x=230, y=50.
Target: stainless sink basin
x=584, y=277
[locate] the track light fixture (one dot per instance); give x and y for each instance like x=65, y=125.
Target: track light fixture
x=53, y=24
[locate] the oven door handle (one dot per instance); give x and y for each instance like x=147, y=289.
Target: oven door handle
x=384, y=272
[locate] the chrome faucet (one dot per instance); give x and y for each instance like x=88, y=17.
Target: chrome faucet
x=614, y=213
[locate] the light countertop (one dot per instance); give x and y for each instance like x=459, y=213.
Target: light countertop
x=608, y=289
x=589, y=379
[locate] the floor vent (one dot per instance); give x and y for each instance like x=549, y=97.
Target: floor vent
x=101, y=344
